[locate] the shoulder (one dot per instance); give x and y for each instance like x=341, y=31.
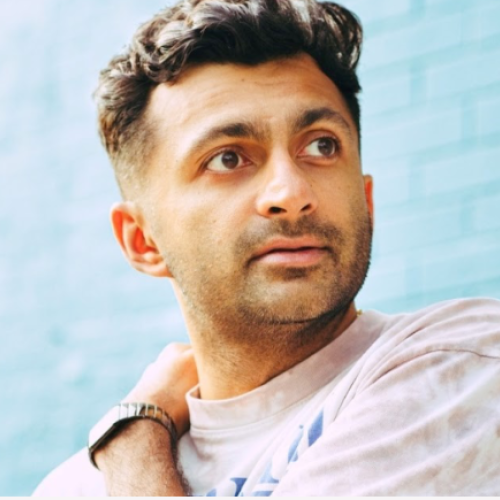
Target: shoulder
x=465, y=325
x=460, y=335
x=417, y=414
x=74, y=477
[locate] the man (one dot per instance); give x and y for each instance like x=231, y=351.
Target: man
x=233, y=128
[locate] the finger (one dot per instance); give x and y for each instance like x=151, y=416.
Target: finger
x=173, y=350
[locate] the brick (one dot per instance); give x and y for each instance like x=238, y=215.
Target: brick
x=441, y=274
x=381, y=287
x=469, y=73
x=413, y=41
x=372, y=12
x=386, y=277
x=391, y=185
x=438, y=8
x=462, y=172
x=486, y=214
x=421, y=229
x=483, y=288
x=461, y=269
x=410, y=133
x=480, y=19
x=489, y=16
x=391, y=94
x=489, y=116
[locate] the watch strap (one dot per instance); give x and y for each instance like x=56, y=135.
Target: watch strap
x=121, y=414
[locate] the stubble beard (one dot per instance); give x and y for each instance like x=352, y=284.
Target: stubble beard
x=243, y=309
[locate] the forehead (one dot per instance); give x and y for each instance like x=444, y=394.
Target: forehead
x=269, y=93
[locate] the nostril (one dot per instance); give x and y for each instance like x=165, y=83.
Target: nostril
x=276, y=210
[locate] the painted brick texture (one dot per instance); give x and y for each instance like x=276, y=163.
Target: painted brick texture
x=78, y=326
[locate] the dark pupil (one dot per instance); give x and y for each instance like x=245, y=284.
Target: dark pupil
x=326, y=146
x=230, y=159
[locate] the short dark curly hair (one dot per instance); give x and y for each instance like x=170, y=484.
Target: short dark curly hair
x=219, y=31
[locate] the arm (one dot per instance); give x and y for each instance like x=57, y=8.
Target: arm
x=141, y=459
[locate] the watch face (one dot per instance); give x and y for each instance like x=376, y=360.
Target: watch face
x=104, y=427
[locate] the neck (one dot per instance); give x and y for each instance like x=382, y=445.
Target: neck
x=231, y=363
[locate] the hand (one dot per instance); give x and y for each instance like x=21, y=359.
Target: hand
x=166, y=382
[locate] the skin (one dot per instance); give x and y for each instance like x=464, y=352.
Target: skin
x=255, y=205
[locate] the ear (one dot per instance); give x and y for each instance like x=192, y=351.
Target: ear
x=138, y=247
x=368, y=180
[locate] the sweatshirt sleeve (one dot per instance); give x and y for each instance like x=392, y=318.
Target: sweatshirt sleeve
x=428, y=426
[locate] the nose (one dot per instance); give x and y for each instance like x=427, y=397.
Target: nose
x=286, y=192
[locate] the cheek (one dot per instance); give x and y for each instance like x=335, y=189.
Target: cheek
x=198, y=225
x=336, y=194
x=343, y=201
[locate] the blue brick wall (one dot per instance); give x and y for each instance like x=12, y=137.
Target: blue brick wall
x=431, y=139
x=78, y=326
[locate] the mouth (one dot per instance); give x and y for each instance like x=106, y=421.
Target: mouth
x=301, y=252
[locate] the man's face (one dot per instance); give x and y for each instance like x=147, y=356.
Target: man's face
x=254, y=195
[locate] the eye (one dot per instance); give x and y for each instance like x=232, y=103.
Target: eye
x=224, y=161
x=325, y=147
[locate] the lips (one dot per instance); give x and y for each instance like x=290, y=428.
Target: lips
x=305, y=251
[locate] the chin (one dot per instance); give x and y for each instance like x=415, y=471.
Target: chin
x=296, y=306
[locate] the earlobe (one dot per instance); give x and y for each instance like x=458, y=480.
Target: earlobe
x=368, y=180
x=139, y=249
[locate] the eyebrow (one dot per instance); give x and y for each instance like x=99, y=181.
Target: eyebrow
x=311, y=116
x=245, y=129
x=233, y=130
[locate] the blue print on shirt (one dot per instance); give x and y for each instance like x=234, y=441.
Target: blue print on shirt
x=292, y=451
x=267, y=477
x=239, y=482
x=315, y=430
x=303, y=439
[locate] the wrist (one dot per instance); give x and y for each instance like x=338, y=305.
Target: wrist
x=116, y=424
x=140, y=442
x=140, y=461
